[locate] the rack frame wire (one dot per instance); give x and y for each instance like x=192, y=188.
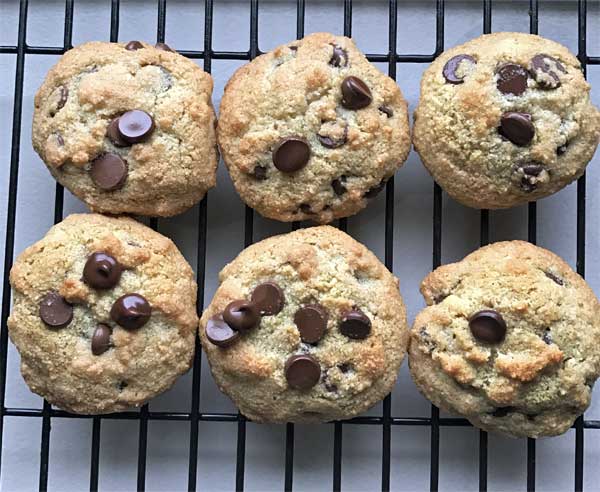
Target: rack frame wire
x=195, y=416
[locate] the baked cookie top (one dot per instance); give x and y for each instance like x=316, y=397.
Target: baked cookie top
x=312, y=130
x=128, y=128
x=510, y=338
x=305, y=327
x=104, y=314
x=505, y=119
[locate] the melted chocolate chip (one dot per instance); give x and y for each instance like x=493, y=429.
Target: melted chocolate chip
x=113, y=134
x=131, y=311
x=134, y=46
x=291, y=154
x=311, y=321
x=302, y=371
x=451, y=66
x=102, y=271
x=554, y=278
x=332, y=143
x=220, y=333
x=512, y=79
x=355, y=324
x=488, y=326
x=544, y=69
x=355, y=93
x=55, y=311
x=241, y=315
x=63, y=96
x=268, y=298
x=135, y=126
x=338, y=185
x=373, y=192
x=517, y=127
x=163, y=47
x=108, y=172
x=260, y=173
x=101, y=339
x=389, y=112
x=339, y=57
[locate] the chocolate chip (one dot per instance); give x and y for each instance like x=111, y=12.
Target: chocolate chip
x=163, y=47
x=355, y=324
x=332, y=388
x=389, y=112
x=311, y=321
x=291, y=154
x=102, y=271
x=373, y=192
x=533, y=169
x=333, y=143
x=293, y=48
x=135, y=126
x=268, y=298
x=339, y=57
x=449, y=70
x=55, y=311
x=503, y=411
x=241, y=315
x=344, y=367
x=554, y=278
x=133, y=46
x=302, y=371
x=338, y=185
x=101, y=339
x=547, y=337
x=108, y=172
x=131, y=311
x=113, y=134
x=260, y=173
x=512, y=79
x=220, y=333
x=488, y=326
x=355, y=93
x=63, y=96
x=517, y=127
x=544, y=70
x=122, y=385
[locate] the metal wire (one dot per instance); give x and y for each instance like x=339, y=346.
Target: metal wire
x=195, y=416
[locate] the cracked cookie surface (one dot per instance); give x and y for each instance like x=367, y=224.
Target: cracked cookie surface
x=305, y=327
x=505, y=119
x=114, y=168
x=510, y=339
x=347, y=120
x=104, y=314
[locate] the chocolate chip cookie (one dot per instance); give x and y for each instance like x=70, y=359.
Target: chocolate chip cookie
x=104, y=314
x=312, y=130
x=505, y=119
x=305, y=327
x=510, y=339
x=128, y=128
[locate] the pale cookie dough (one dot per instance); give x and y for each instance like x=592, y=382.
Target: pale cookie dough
x=505, y=119
x=128, y=128
x=510, y=339
x=104, y=314
x=312, y=130
x=305, y=327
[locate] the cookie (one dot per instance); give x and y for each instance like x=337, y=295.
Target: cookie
x=505, y=119
x=312, y=130
x=510, y=339
x=128, y=128
x=305, y=327
x=104, y=314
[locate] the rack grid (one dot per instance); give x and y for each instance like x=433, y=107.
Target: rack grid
x=194, y=416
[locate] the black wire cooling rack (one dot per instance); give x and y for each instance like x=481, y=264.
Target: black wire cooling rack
x=194, y=416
